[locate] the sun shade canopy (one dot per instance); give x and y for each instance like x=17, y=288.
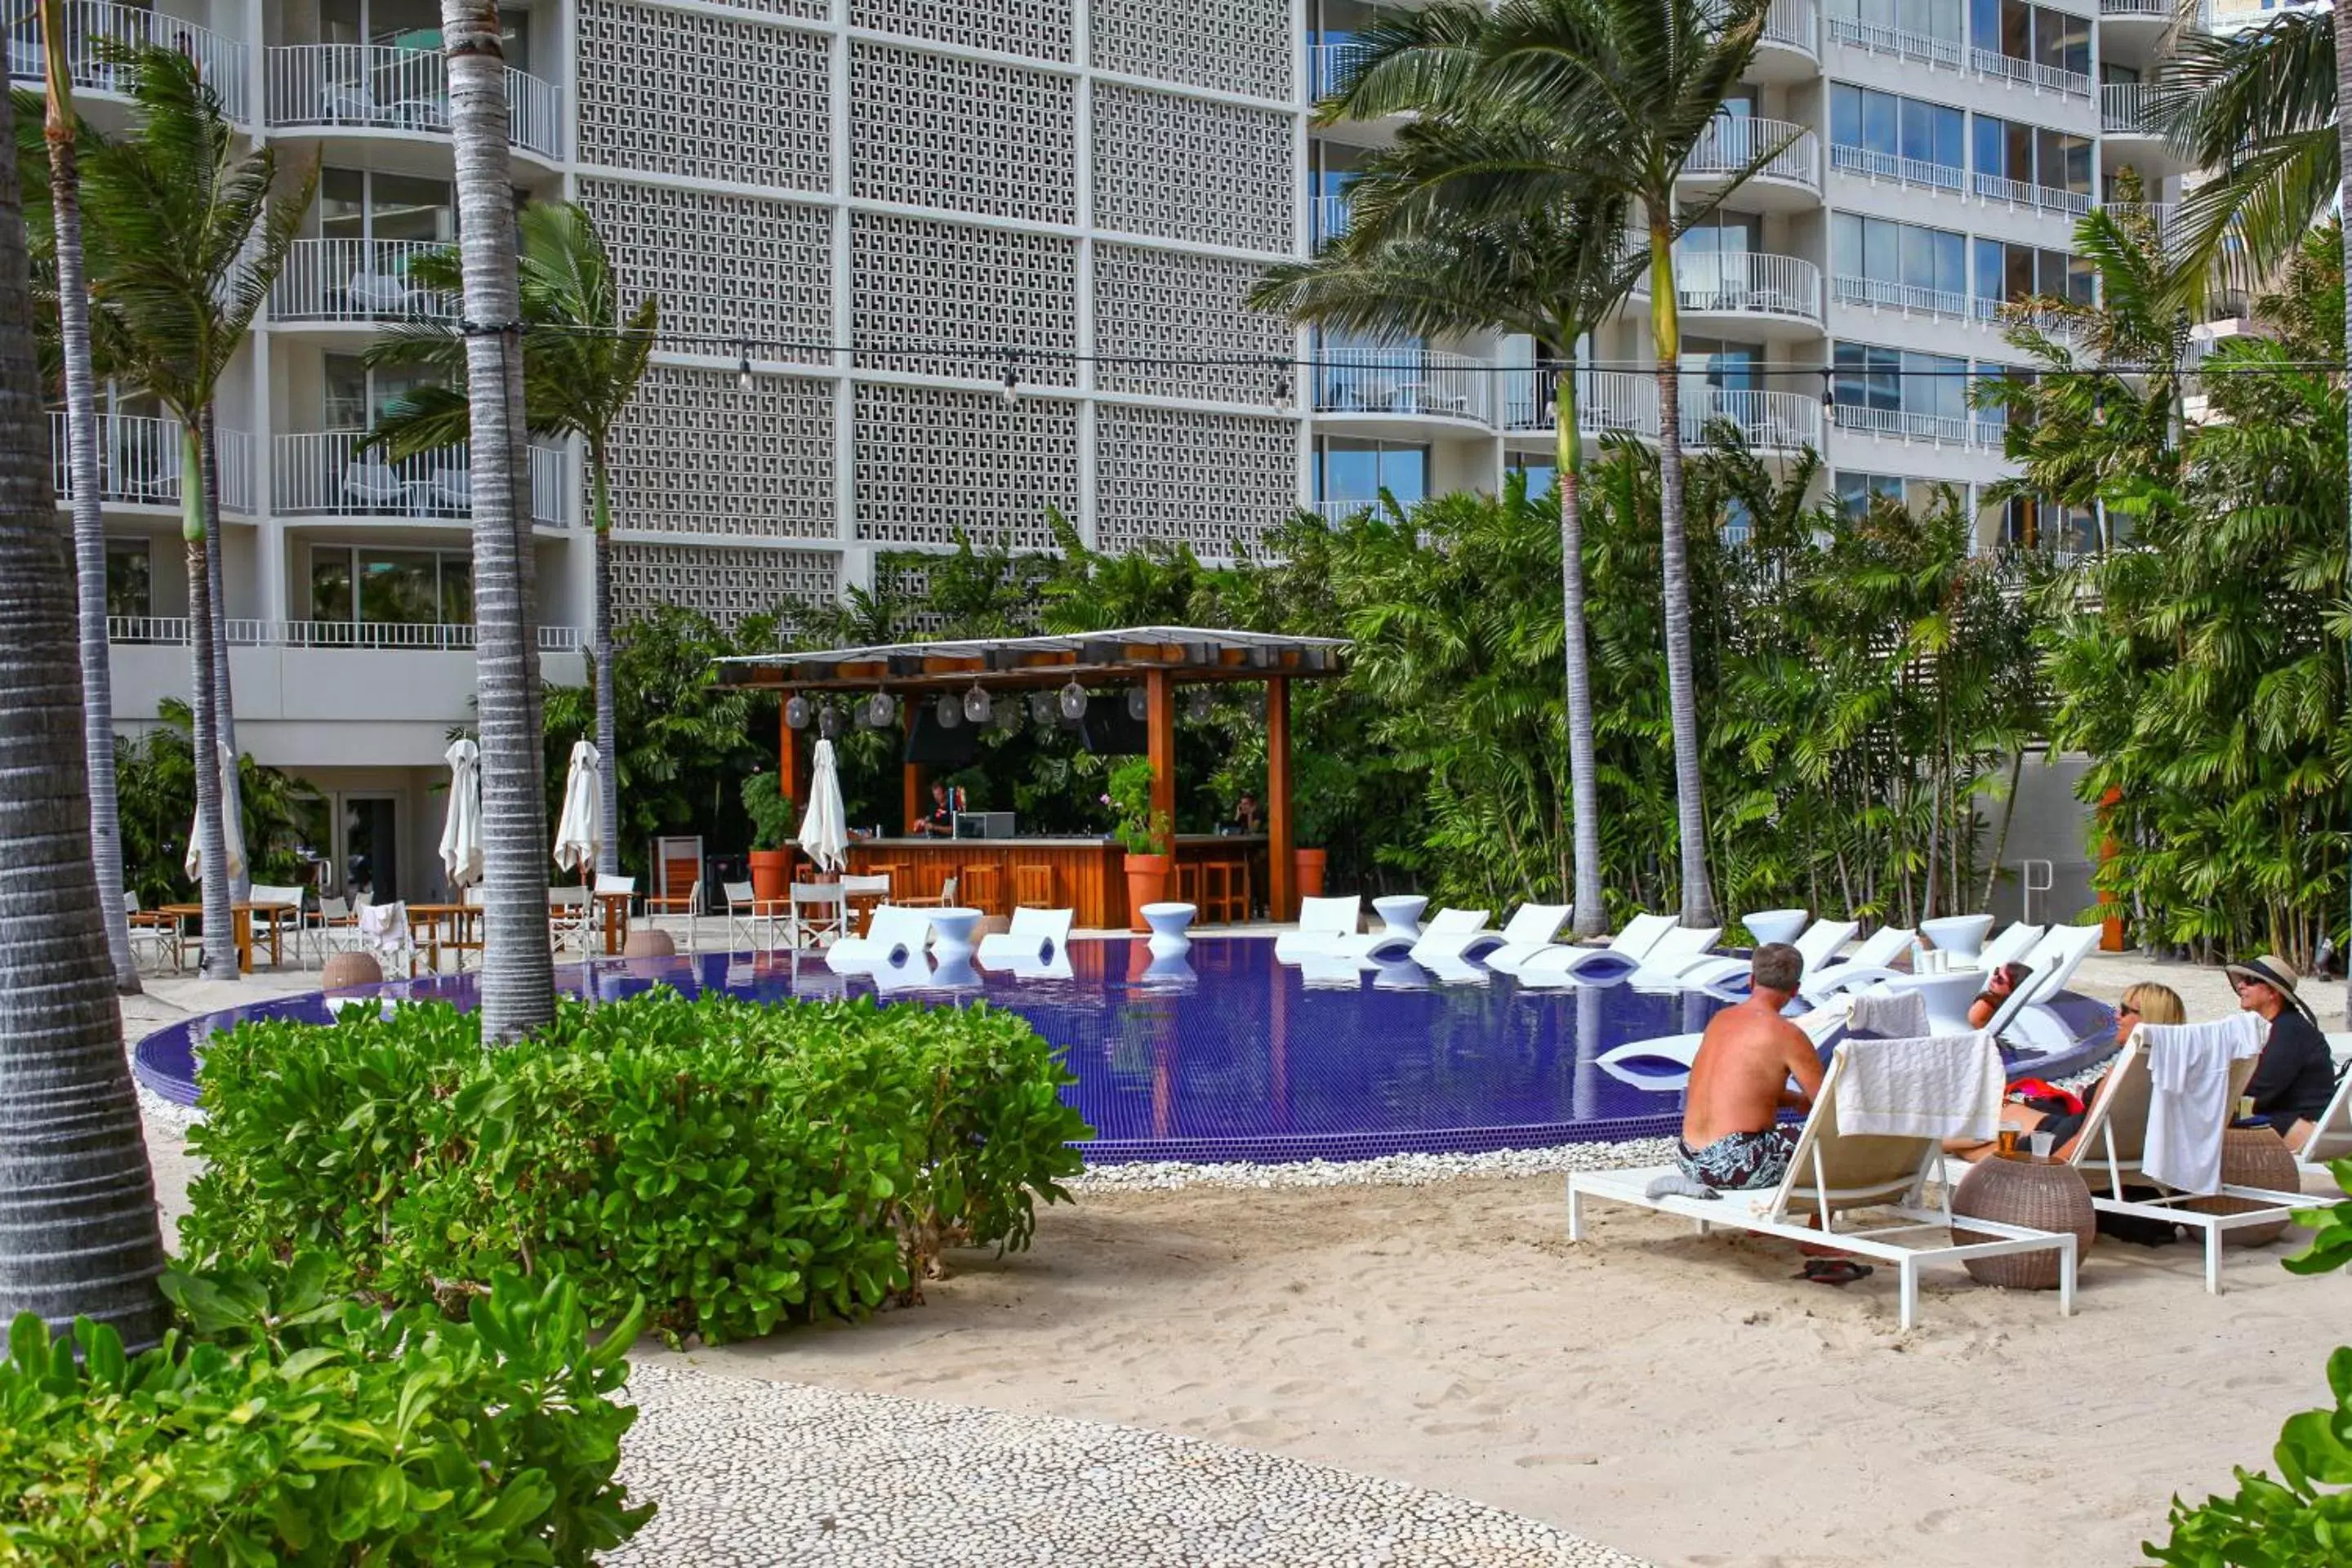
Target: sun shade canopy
x=1186, y=654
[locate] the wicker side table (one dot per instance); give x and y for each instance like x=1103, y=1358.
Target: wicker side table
x=2038, y=1195
x=2251, y=1157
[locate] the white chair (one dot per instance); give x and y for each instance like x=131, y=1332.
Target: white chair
x=1323, y=924
x=384, y=931
x=157, y=936
x=1387, y=947
x=1530, y=930
x=378, y=294
x=570, y=922
x=2331, y=1135
x=681, y=916
x=1037, y=937
x=450, y=490
x=893, y=944
x=1820, y=939
x=334, y=928
x=1868, y=964
x=287, y=924
x=818, y=915
x=1556, y=964
x=752, y=923
x=374, y=487
x=2012, y=945
x=1684, y=947
x=2055, y=957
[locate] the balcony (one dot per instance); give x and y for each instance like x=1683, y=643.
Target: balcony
x=1407, y=383
x=357, y=281
x=2161, y=217
x=173, y=631
x=2029, y=73
x=221, y=62
x=1774, y=421
x=1625, y=403
x=1789, y=47
x=1330, y=218
x=1902, y=425
x=1911, y=298
x=1921, y=48
x=1327, y=65
x=140, y=458
x=1872, y=165
x=2017, y=193
x=1751, y=284
x=376, y=86
x=2123, y=108
x=2160, y=10
x=1731, y=143
x=326, y=474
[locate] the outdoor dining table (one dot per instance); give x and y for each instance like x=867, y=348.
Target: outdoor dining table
x=463, y=923
x=615, y=906
x=241, y=915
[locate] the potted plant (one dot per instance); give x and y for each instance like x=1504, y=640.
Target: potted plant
x=1320, y=783
x=772, y=833
x=1144, y=833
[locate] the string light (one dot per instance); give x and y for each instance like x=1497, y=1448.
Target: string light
x=743, y=382
x=1012, y=379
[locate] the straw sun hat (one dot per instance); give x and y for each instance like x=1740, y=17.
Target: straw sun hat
x=2273, y=971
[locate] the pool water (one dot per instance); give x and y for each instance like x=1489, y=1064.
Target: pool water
x=1228, y=1055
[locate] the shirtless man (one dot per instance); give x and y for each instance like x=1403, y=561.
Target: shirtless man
x=1731, y=1137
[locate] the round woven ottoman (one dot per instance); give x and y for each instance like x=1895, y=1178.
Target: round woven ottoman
x=649, y=944
x=347, y=970
x=2038, y=1196
x=2251, y=1157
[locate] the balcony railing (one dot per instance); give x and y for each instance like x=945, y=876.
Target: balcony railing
x=1733, y=141
x=1746, y=283
x=1877, y=165
x=2029, y=73
x=2123, y=108
x=1791, y=24
x=1915, y=299
x=2073, y=203
x=1625, y=403
x=1925, y=48
x=139, y=462
x=357, y=280
x=173, y=630
x=1327, y=66
x=1404, y=380
x=1330, y=218
x=221, y=63
x=2162, y=10
x=2159, y=216
x=1780, y=420
x=326, y=474
x=1950, y=429
x=379, y=87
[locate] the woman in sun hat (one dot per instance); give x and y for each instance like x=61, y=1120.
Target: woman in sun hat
x=2296, y=1076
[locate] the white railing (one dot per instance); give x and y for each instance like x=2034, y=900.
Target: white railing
x=551, y=485
x=1990, y=431
x=2163, y=10
x=2122, y=107
x=1780, y=420
x=1880, y=294
x=1402, y=380
x=221, y=63
x=326, y=473
x=2029, y=73
x=1625, y=403
x=382, y=88
x=1327, y=66
x=1790, y=23
x=1749, y=282
x=1330, y=218
x=1904, y=424
x=2017, y=193
x=139, y=461
x=1924, y=47
x=174, y=630
x=2159, y=215
x=1878, y=165
x=357, y=280
x=1731, y=143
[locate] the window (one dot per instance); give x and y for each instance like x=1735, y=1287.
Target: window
x=1711, y=260
x=1540, y=471
x=1877, y=261
x=129, y=589
x=363, y=586
x=1908, y=139
x=2007, y=273
x=357, y=397
x=2019, y=163
x=1351, y=472
x=2038, y=45
x=1857, y=492
x=2027, y=523
x=1925, y=30
x=1897, y=392
x=360, y=204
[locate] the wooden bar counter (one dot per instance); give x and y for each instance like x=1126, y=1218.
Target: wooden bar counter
x=1087, y=875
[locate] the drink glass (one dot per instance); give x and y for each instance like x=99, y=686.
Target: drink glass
x=2008, y=1132
x=2042, y=1142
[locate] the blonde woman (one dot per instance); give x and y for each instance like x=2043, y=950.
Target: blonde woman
x=2146, y=1003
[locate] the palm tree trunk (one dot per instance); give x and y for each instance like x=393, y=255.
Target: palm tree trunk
x=79, y=1236
x=224, y=703
x=608, y=744
x=1591, y=916
x=212, y=839
x=2344, y=158
x=1682, y=694
x=518, y=982
x=88, y=517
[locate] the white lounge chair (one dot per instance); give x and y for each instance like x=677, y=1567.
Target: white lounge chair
x=1373, y=948
x=2331, y=1135
x=752, y=923
x=1036, y=937
x=378, y=294
x=2055, y=957
x=2009, y=947
x=1565, y=965
x=1821, y=940
x=1868, y=964
x=1682, y=948
x=374, y=487
x=1832, y=1174
x=1322, y=924
x=1531, y=929
x=892, y=946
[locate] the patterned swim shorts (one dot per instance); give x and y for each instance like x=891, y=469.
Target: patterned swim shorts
x=1739, y=1161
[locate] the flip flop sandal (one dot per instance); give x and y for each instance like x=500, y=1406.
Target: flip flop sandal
x=1833, y=1271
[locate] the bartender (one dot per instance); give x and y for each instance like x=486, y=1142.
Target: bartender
x=1245, y=813
x=940, y=822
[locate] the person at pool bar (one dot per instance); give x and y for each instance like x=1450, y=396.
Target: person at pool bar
x=940, y=821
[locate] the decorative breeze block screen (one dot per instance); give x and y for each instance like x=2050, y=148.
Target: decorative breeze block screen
x=727, y=583
x=931, y=461
x=1174, y=305
x=1213, y=481
x=1039, y=29
x=974, y=292
x=1235, y=46
x=1184, y=168
x=674, y=92
x=722, y=266
x=932, y=130
x=695, y=454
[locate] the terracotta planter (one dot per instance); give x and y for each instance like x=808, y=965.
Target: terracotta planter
x=772, y=873
x=1308, y=863
x=1147, y=877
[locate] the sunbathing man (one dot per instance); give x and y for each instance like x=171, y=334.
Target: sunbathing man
x=1732, y=1140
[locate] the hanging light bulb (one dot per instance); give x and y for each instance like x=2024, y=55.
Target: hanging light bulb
x=880, y=709
x=1138, y=705
x=1281, y=385
x=743, y=382
x=1829, y=391
x=976, y=706
x=796, y=712
x=948, y=711
x=1074, y=702
x=828, y=722
x=1012, y=379
x=1197, y=705
x=1040, y=708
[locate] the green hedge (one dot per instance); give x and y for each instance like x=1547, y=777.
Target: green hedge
x=735, y=1166
x=283, y=1425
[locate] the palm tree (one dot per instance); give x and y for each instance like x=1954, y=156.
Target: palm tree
x=1411, y=263
x=78, y=1229
x=518, y=969
x=81, y=458
x=188, y=239
x=583, y=363
x=1612, y=96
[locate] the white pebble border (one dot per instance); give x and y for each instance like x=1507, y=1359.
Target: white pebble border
x=749, y=1473
x=1387, y=1171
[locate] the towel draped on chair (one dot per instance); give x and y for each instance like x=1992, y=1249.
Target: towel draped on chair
x=1944, y=1086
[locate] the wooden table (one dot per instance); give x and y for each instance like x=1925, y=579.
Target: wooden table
x=241, y=915
x=465, y=930
x=616, y=920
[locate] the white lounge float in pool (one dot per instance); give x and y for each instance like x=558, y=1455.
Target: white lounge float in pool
x=1683, y=948
x=1397, y=941
x=1821, y=940
x=1568, y=965
x=1323, y=925
x=1036, y=937
x=1869, y=965
x=894, y=941
x=1530, y=930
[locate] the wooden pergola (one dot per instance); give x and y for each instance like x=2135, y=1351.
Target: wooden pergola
x=1161, y=659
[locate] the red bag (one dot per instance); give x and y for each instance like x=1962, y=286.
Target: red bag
x=2046, y=1097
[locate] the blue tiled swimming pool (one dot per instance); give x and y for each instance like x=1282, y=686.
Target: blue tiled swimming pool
x=1230, y=1056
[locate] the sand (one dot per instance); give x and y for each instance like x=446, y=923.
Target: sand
x=1680, y=1398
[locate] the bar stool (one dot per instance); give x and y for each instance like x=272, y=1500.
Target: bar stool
x=1188, y=882
x=1033, y=886
x=981, y=887
x=1217, y=892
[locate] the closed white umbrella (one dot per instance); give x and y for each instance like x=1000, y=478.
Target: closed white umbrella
x=461, y=831
x=824, y=831
x=232, y=831
x=581, y=831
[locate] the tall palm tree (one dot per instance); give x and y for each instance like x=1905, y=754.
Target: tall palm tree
x=188, y=239
x=1411, y=263
x=81, y=460
x=518, y=969
x=1615, y=95
x=583, y=361
x=78, y=1229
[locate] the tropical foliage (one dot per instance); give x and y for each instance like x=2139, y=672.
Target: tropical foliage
x=157, y=778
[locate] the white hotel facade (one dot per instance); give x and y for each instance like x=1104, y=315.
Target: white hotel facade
x=891, y=205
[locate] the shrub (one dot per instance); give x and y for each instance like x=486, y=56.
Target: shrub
x=283, y=1425
x=736, y=1165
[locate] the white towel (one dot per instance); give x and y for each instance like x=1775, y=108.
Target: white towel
x=1889, y=1014
x=1943, y=1086
x=2188, y=1110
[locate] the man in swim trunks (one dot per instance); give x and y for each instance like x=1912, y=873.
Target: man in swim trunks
x=1732, y=1140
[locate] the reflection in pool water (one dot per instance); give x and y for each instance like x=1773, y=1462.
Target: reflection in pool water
x=1225, y=1054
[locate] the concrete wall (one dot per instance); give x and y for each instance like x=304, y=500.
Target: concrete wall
x=2050, y=824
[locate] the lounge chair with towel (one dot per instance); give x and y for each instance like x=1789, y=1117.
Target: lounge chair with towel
x=1567, y=964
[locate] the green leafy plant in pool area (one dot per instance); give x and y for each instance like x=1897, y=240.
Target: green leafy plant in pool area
x=1141, y=830
x=282, y=1423
x=736, y=1165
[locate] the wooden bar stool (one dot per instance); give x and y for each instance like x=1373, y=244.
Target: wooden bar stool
x=981, y=887
x=1217, y=891
x=1033, y=886
x=1190, y=883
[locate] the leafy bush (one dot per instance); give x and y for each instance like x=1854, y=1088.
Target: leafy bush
x=284, y=1425
x=736, y=1165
